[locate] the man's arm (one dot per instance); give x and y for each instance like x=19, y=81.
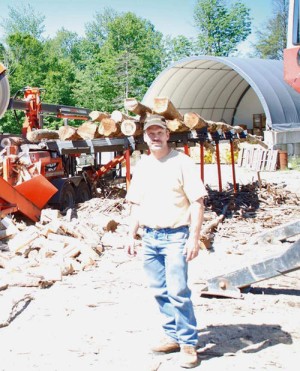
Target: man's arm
x=133, y=228
x=197, y=214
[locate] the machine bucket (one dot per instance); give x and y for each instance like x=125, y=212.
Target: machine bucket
x=38, y=190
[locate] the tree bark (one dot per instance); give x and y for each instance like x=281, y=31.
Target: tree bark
x=67, y=132
x=98, y=116
x=119, y=116
x=164, y=107
x=108, y=127
x=133, y=105
x=176, y=125
x=88, y=130
x=36, y=136
x=194, y=121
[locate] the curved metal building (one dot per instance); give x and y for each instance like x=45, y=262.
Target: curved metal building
x=230, y=90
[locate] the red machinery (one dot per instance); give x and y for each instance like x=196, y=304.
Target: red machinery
x=292, y=52
x=36, y=174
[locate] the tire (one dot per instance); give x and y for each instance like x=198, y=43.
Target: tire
x=67, y=197
x=83, y=192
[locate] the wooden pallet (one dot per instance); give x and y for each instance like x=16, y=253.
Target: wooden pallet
x=258, y=159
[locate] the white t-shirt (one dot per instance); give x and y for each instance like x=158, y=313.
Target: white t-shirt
x=164, y=189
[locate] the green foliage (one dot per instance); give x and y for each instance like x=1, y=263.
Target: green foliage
x=23, y=19
x=177, y=48
x=271, y=39
x=221, y=28
x=126, y=58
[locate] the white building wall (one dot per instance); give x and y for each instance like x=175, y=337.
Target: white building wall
x=248, y=106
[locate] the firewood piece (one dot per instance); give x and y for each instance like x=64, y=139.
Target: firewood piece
x=133, y=105
x=38, y=135
x=176, y=125
x=48, y=215
x=11, y=307
x=67, y=132
x=4, y=259
x=71, y=251
x=119, y=116
x=98, y=116
x=8, y=232
x=194, y=121
x=21, y=241
x=88, y=130
x=130, y=127
x=61, y=238
x=207, y=232
x=53, y=227
x=163, y=106
x=108, y=127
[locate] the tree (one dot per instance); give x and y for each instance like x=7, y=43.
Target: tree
x=221, y=28
x=271, y=40
x=24, y=20
x=177, y=48
x=125, y=59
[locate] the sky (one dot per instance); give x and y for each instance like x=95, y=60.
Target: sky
x=171, y=17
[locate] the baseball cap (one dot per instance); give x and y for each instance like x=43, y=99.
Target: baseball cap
x=155, y=120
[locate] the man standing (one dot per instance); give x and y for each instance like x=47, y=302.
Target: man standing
x=166, y=197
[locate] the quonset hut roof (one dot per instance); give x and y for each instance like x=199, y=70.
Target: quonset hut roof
x=215, y=86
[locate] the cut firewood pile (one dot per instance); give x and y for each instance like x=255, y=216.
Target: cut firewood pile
x=39, y=255
x=119, y=124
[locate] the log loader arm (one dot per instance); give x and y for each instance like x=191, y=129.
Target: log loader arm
x=230, y=284
x=33, y=107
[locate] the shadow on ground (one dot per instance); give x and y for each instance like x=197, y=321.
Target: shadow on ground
x=245, y=338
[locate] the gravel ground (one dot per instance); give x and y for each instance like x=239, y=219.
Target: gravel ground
x=105, y=319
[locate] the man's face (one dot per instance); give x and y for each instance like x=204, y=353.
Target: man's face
x=156, y=137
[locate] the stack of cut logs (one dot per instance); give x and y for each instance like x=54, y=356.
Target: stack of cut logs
x=56, y=246
x=118, y=124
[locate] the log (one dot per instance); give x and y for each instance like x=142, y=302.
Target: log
x=176, y=125
x=38, y=135
x=12, y=141
x=98, y=116
x=133, y=105
x=119, y=116
x=88, y=130
x=194, y=121
x=131, y=128
x=67, y=132
x=252, y=139
x=164, y=107
x=108, y=127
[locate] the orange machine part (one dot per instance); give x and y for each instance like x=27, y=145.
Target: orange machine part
x=292, y=68
x=17, y=199
x=51, y=167
x=38, y=190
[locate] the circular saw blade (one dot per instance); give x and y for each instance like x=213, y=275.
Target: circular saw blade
x=4, y=94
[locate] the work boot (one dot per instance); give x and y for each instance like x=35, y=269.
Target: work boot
x=166, y=346
x=188, y=356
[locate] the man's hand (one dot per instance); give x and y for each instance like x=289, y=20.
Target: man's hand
x=191, y=249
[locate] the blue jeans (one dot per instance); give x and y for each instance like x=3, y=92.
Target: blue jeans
x=167, y=271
